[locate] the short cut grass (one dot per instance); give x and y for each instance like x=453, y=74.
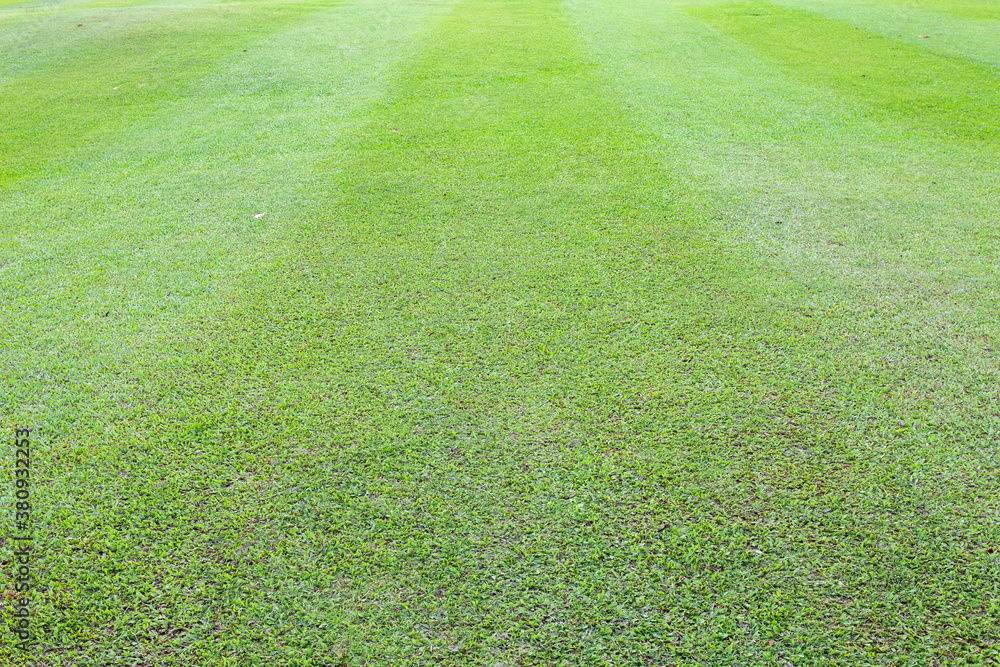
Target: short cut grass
x=503, y=332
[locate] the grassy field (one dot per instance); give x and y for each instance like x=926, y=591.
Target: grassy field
x=503, y=332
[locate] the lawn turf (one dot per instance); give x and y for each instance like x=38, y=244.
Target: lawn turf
x=513, y=351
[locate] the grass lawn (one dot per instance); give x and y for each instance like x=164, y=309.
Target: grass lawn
x=503, y=332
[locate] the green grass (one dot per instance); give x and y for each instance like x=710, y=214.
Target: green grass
x=503, y=333
x=966, y=8
x=892, y=79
